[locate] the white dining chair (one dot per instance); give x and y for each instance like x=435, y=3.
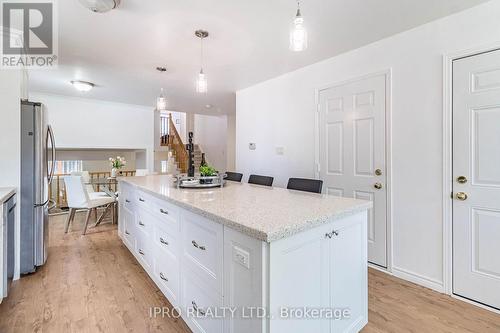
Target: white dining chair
x=86, y=180
x=79, y=198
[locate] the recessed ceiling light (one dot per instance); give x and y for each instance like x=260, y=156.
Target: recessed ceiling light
x=82, y=85
x=209, y=106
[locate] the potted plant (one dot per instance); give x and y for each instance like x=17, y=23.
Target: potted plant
x=207, y=171
x=116, y=164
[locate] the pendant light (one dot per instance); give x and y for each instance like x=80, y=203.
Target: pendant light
x=201, y=81
x=298, y=33
x=161, y=102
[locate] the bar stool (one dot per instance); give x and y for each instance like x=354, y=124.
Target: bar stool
x=303, y=184
x=233, y=176
x=261, y=180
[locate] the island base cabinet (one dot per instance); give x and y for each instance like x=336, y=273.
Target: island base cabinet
x=318, y=279
x=224, y=281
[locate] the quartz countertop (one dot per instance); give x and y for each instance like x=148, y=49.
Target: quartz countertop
x=6, y=193
x=265, y=213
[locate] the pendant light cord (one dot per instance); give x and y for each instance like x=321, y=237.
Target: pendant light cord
x=201, y=53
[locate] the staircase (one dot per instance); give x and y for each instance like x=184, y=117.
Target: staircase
x=177, y=149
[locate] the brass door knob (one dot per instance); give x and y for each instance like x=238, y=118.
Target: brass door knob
x=461, y=179
x=378, y=172
x=461, y=196
x=378, y=186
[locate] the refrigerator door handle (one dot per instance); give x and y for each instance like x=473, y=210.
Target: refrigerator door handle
x=50, y=134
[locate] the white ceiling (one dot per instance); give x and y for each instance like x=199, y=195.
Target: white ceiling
x=248, y=43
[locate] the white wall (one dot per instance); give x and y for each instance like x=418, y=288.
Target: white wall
x=231, y=143
x=210, y=132
x=86, y=123
x=280, y=112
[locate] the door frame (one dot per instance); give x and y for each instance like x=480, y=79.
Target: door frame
x=388, y=151
x=448, y=59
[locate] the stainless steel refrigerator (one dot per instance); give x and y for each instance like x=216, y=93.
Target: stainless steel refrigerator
x=37, y=170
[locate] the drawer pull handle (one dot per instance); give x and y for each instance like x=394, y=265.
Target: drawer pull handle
x=163, y=277
x=141, y=200
x=163, y=241
x=126, y=232
x=198, y=246
x=195, y=307
x=163, y=211
x=141, y=224
x=127, y=200
x=141, y=251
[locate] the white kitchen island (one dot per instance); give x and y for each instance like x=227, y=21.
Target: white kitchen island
x=250, y=259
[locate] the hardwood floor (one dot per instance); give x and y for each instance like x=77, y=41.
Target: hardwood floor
x=93, y=284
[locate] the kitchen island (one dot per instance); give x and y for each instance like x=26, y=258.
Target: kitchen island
x=248, y=258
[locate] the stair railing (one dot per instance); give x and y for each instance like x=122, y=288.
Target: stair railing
x=175, y=143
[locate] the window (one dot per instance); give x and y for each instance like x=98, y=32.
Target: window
x=67, y=167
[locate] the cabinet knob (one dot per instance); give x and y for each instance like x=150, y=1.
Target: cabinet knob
x=164, y=211
x=127, y=200
x=329, y=235
x=163, y=277
x=141, y=223
x=141, y=200
x=163, y=241
x=141, y=251
x=126, y=232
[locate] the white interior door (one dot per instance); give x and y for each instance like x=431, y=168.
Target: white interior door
x=476, y=178
x=352, y=151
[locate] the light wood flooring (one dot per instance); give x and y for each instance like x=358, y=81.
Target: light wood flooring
x=93, y=284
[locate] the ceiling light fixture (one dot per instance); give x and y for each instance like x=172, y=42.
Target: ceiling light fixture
x=298, y=35
x=161, y=102
x=100, y=6
x=201, y=81
x=83, y=86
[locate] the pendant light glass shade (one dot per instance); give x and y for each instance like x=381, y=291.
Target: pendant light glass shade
x=161, y=102
x=298, y=34
x=201, y=80
x=201, y=83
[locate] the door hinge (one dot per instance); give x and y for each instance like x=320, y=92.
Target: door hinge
x=318, y=167
x=318, y=108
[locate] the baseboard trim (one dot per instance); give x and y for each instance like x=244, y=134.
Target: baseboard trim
x=482, y=306
x=418, y=279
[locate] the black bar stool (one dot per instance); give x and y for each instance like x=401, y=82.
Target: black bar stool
x=307, y=185
x=261, y=180
x=233, y=176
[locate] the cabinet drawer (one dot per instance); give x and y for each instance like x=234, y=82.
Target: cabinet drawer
x=128, y=228
x=127, y=195
x=144, y=251
x=202, y=247
x=159, y=208
x=167, y=275
x=145, y=222
x=196, y=300
x=166, y=240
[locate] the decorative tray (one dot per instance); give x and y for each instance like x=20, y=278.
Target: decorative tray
x=201, y=182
